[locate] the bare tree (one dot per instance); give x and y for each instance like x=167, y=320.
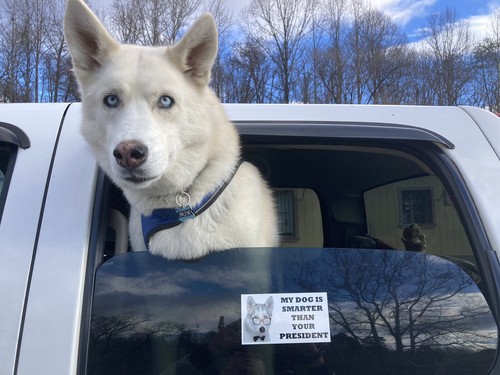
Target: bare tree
x=249, y=74
x=487, y=56
x=33, y=57
x=9, y=52
x=384, y=49
x=58, y=82
x=224, y=20
x=405, y=298
x=332, y=57
x=448, y=52
x=280, y=27
x=312, y=51
x=414, y=88
x=39, y=14
x=151, y=22
x=355, y=73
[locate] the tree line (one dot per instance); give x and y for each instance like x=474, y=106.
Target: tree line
x=274, y=51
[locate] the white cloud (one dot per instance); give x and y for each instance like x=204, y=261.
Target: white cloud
x=403, y=11
x=238, y=5
x=479, y=26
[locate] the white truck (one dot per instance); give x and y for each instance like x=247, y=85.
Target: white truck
x=390, y=215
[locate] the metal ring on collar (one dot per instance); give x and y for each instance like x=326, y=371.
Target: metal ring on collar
x=182, y=195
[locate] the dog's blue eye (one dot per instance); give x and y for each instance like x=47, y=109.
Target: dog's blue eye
x=166, y=101
x=111, y=101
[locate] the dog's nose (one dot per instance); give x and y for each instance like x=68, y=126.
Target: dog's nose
x=130, y=154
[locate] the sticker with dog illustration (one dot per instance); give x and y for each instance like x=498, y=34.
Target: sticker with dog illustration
x=285, y=318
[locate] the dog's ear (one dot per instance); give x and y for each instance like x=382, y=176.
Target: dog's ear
x=270, y=303
x=88, y=41
x=250, y=303
x=196, y=51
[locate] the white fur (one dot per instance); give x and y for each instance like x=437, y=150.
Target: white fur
x=192, y=146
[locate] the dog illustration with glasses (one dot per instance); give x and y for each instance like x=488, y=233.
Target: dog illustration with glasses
x=258, y=321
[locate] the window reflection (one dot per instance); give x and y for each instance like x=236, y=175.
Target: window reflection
x=390, y=312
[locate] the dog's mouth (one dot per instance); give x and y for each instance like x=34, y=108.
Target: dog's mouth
x=139, y=180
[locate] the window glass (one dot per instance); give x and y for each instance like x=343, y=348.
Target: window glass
x=6, y=159
x=374, y=229
x=388, y=312
x=427, y=220
x=4, y=162
x=2, y=180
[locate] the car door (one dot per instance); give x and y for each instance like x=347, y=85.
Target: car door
x=28, y=137
x=54, y=302
x=345, y=293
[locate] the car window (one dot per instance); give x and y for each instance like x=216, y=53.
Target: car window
x=380, y=230
x=364, y=196
x=7, y=156
x=11, y=139
x=385, y=312
x=417, y=214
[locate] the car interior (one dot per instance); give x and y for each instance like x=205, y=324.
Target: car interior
x=330, y=195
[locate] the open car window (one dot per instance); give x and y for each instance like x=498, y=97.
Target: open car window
x=387, y=312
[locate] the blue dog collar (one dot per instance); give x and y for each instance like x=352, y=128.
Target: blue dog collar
x=166, y=218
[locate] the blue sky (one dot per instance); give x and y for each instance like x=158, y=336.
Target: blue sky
x=411, y=15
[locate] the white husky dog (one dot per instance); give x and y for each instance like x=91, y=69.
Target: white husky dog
x=161, y=135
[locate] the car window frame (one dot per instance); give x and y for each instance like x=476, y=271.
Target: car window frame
x=431, y=151
x=12, y=139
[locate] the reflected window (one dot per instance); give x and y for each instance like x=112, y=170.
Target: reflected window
x=389, y=312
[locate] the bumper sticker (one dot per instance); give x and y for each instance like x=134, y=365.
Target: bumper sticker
x=285, y=318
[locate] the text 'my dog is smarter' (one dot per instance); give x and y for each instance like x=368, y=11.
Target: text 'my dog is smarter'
x=293, y=318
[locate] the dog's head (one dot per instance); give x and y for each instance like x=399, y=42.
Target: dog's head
x=145, y=109
x=260, y=314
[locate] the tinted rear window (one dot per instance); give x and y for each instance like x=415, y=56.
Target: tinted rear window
x=388, y=312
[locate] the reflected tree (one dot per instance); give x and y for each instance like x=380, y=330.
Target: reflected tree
x=395, y=298
x=391, y=312
x=122, y=344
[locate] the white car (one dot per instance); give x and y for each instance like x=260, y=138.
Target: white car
x=390, y=232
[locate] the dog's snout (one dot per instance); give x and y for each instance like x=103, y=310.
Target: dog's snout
x=262, y=329
x=130, y=154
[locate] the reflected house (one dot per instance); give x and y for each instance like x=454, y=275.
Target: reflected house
x=390, y=311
